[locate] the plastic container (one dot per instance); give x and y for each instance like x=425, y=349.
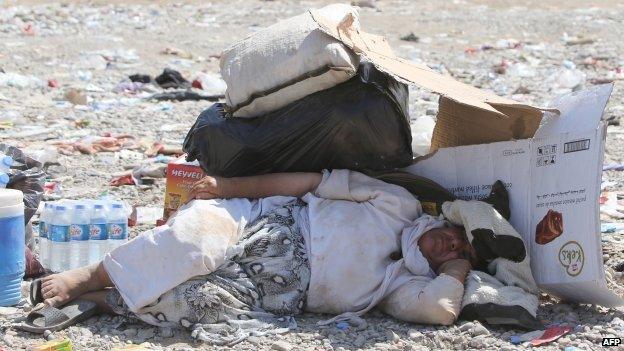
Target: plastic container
x=12, y=246
x=79, y=236
x=4, y=180
x=98, y=234
x=44, y=232
x=6, y=162
x=59, y=239
x=117, y=227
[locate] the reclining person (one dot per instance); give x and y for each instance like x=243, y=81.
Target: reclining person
x=276, y=245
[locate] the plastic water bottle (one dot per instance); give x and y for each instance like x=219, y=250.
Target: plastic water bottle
x=98, y=234
x=79, y=232
x=59, y=239
x=4, y=180
x=44, y=233
x=117, y=227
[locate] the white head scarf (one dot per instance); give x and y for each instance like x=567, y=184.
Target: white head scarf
x=413, y=260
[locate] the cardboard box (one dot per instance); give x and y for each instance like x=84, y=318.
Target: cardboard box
x=552, y=171
x=181, y=175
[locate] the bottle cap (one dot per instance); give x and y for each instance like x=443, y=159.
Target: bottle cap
x=98, y=206
x=60, y=208
x=117, y=206
x=80, y=207
x=4, y=178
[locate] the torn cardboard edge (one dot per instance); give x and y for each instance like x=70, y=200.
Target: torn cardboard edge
x=467, y=115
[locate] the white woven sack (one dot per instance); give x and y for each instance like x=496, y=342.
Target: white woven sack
x=286, y=62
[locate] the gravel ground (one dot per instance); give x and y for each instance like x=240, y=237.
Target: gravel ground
x=530, y=52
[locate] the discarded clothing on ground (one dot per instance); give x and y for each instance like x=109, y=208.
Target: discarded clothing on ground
x=362, y=124
x=184, y=95
x=171, y=78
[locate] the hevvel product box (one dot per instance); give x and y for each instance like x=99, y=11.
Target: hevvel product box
x=181, y=175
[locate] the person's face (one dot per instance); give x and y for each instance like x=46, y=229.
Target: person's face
x=443, y=244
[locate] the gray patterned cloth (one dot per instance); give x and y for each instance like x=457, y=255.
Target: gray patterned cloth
x=257, y=291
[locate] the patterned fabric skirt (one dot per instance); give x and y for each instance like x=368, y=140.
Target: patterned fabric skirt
x=257, y=291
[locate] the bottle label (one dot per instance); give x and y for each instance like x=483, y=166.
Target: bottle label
x=117, y=231
x=79, y=232
x=97, y=232
x=43, y=230
x=59, y=233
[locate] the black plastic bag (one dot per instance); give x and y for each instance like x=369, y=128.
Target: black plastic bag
x=362, y=124
x=26, y=175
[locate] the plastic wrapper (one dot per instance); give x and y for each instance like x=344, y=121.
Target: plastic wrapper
x=362, y=124
x=26, y=175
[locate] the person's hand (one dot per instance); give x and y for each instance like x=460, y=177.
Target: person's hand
x=457, y=268
x=211, y=188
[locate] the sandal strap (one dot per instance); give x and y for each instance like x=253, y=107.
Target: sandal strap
x=51, y=316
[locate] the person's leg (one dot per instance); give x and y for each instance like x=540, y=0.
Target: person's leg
x=61, y=288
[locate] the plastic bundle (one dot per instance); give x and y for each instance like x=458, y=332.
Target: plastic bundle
x=361, y=124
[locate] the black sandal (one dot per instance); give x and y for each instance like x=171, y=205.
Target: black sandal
x=54, y=319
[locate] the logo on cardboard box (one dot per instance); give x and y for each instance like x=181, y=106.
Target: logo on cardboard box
x=572, y=258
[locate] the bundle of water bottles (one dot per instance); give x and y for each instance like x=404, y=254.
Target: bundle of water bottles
x=74, y=234
x=6, y=162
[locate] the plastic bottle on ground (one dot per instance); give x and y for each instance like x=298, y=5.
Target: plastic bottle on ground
x=79, y=233
x=98, y=233
x=44, y=233
x=59, y=239
x=117, y=227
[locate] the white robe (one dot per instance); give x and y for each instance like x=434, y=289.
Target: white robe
x=353, y=224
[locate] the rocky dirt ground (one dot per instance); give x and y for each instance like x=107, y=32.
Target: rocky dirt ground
x=530, y=51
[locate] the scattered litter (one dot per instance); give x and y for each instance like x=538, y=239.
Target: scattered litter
x=410, y=37
x=609, y=228
x=171, y=78
x=609, y=206
x=518, y=339
x=576, y=40
x=177, y=52
x=145, y=215
x=184, y=95
x=158, y=170
x=53, y=83
x=140, y=78
x=128, y=87
x=14, y=80
x=551, y=334
x=210, y=82
x=75, y=97
x=614, y=167
x=94, y=144
x=127, y=179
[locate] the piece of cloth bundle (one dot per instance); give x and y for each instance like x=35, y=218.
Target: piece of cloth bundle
x=508, y=294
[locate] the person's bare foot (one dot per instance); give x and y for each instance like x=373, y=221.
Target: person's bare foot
x=59, y=289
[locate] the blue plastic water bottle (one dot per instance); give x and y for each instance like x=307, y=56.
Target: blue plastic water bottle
x=58, y=239
x=79, y=236
x=12, y=259
x=117, y=227
x=98, y=234
x=44, y=229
